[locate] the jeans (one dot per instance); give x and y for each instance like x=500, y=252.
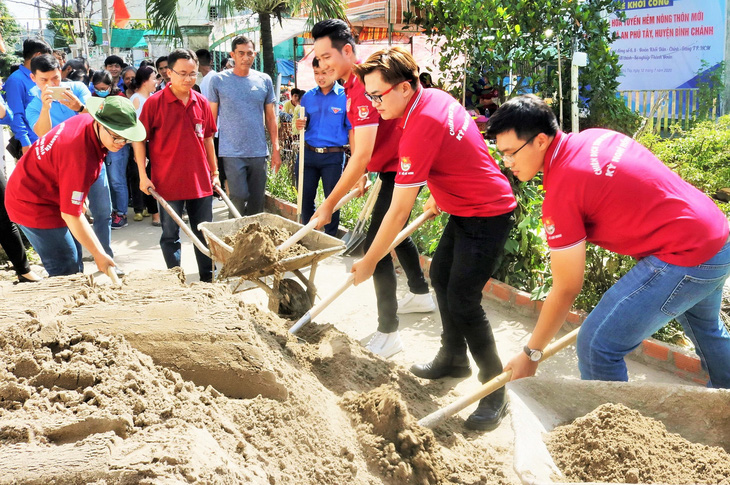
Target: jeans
x=246, y=183
x=328, y=167
x=60, y=253
x=10, y=239
x=465, y=259
x=199, y=210
x=384, y=278
x=100, y=204
x=647, y=298
x=117, y=172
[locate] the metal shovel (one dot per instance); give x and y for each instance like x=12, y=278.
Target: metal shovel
x=353, y=240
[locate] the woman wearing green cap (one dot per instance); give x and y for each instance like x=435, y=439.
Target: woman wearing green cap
x=46, y=191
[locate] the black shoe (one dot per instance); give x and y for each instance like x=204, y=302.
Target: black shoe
x=489, y=413
x=445, y=364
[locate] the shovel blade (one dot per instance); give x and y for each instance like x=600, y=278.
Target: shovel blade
x=354, y=243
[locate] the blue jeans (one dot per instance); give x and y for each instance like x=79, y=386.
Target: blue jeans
x=118, y=179
x=60, y=253
x=645, y=300
x=325, y=166
x=199, y=210
x=246, y=183
x=100, y=205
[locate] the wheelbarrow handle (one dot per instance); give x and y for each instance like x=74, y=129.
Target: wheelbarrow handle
x=224, y=196
x=198, y=244
x=313, y=222
x=438, y=416
x=317, y=309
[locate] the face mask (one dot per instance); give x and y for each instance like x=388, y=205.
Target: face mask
x=102, y=94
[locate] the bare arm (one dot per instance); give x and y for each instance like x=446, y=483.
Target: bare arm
x=81, y=230
x=273, y=127
x=140, y=157
x=568, y=267
x=212, y=161
x=214, y=109
x=44, y=123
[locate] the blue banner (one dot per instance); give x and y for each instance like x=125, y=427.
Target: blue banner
x=636, y=4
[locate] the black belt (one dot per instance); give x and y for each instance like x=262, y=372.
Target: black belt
x=325, y=149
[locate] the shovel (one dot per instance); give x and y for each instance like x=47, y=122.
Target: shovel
x=317, y=309
x=354, y=239
x=186, y=229
x=438, y=416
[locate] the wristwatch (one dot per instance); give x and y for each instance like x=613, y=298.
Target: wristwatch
x=534, y=354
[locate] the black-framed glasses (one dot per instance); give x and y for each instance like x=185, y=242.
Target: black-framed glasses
x=511, y=157
x=192, y=75
x=116, y=139
x=378, y=98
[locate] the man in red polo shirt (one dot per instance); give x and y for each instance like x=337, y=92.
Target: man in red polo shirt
x=180, y=128
x=46, y=191
x=375, y=149
x=607, y=189
x=441, y=145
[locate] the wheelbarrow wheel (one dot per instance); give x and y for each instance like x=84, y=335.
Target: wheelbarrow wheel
x=294, y=302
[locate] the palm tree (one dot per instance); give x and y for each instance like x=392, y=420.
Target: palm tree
x=163, y=17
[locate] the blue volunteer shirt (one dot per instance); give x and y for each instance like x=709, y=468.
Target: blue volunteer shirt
x=17, y=92
x=8, y=118
x=59, y=112
x=327, y=124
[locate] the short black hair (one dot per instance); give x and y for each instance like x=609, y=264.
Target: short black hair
x=144, y=73
x=102, y=76
x=203, y=57
x=242, y=39
x=315, y=62
x=527, y=115
x=146, y=62
x=173, y=57
x=32, y=46
x=44, y=63
x=114, y=60
x=337, y=30
x=160, y=60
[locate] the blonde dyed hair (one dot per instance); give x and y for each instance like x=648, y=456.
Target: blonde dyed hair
x=394, y=63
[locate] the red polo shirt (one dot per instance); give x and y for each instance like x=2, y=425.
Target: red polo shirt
x=55, y=175
x=360, y=112
x=441, y=145
x=606, y=188
x=176, y=134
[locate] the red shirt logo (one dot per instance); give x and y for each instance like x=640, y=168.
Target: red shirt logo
x=362, y=112
x=549, y=225
x=405, y=164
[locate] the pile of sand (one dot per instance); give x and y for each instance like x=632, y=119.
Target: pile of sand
x=79, y=401
x=617, y=444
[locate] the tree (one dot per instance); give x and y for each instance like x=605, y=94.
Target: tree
x=63, y=29
x=10, y=31
x=516, y=44
x=163, y=17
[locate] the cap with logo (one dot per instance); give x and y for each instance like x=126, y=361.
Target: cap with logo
x=117, y=113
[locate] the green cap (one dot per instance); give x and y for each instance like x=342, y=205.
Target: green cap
x=117, y=114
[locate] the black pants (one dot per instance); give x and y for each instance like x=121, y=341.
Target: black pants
x=384, y=278
x=10, y=239
x=465, y=259
x=140, y=200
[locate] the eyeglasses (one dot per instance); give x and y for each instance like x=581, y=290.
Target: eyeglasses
x=511, y=157
x=378, y=98
x=116, y=139
x=192, y=75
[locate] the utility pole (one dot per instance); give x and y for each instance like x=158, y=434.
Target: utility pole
x=40, y=22
x=106, y=28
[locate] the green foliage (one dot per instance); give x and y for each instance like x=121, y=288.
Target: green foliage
x=710, y=86
x=700, y=156
x=63, y=30
x=10, y=31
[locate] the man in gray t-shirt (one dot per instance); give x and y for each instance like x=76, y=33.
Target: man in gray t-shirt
x=243, y=100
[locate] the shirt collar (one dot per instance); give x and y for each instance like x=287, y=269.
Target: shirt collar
x=415, y=99
x=171, y=98
x=24, y=70
x=336, y=88
x=552, y=151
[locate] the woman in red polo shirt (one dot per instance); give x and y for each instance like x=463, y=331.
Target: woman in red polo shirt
x=46, y=191
x=441, y=145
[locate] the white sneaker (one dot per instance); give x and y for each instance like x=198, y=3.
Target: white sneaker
x=412, y=303
x=385, y=344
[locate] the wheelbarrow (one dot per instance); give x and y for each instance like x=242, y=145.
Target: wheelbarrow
x=540, y=404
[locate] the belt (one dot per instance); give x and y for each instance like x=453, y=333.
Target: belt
x=325, y=149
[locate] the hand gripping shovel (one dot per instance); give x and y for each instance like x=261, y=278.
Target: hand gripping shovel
x=317, y=309
x=438, y=416
x=354, y=239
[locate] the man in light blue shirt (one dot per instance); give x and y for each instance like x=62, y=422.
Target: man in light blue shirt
x=327, y=133
x=17, y=92
x=44, y=112
x=241, y=98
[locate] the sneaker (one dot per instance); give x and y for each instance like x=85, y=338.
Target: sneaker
x=145, y=213
x=412, y=303
x=185, y=217
x=118, y=221
x=138, y=216
x=385, y=344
